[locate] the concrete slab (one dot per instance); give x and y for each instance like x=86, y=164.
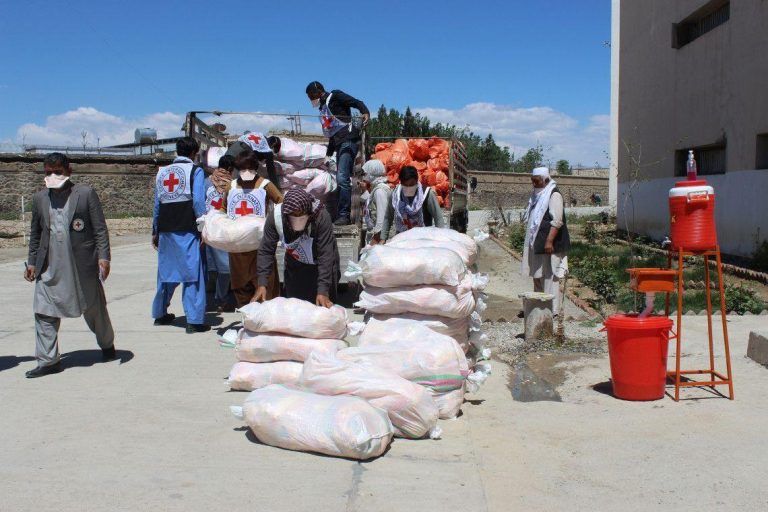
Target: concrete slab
x=757, y=350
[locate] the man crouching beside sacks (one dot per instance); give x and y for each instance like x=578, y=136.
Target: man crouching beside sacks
x=547, y=241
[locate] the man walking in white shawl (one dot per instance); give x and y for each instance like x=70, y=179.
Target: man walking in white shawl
x=546, y=239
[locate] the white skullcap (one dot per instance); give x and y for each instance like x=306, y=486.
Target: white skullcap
x=541, y=171
x=374, y=169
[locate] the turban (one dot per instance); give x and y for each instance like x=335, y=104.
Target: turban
x=374, y=169
x=541, y=171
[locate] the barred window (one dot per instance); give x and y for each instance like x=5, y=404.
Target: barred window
x=710, y=159
x=710, y=16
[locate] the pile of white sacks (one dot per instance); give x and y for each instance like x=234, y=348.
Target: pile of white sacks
x=303, y=165
x=420, y=351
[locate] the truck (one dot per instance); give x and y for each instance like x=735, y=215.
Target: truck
x=456, y=213
x=349, y=239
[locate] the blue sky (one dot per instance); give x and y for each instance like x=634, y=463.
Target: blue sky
x=526, y=70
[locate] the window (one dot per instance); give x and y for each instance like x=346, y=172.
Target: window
x=710, y=16
x=761, y=159
x=710, y=159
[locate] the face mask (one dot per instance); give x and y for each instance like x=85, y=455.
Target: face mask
x=55, y=181
x=298, y=223
x=247, y=175
x=316, y=102
x=410, y=191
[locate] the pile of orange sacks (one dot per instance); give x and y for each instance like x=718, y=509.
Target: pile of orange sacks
x=430, y=157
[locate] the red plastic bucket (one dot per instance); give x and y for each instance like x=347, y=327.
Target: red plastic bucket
x=692, y=216
x=637, y=348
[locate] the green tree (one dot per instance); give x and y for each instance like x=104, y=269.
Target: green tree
x=563, y=167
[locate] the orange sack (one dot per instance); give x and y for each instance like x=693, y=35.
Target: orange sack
x=400, y=156
x=381, y=146
x=419, y=149
x=383, y=156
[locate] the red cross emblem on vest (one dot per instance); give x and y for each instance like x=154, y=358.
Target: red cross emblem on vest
x=171, y=182
x=255, y=138
x=326, y=122
x=243, y=209
x=217, y=203
x=292, y=253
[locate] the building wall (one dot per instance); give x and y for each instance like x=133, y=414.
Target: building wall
x=124, y=184
x=673, y=99
x=512, y=190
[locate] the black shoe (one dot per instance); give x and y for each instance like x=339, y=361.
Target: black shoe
x=166, y=319
x=42, y=371
x=342, y=221
x=193, y=328
x=108, y=354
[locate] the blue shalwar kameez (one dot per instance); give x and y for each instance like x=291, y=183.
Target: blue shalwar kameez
x=179, y=256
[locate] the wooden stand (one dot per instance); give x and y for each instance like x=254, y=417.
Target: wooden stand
x=715, y=378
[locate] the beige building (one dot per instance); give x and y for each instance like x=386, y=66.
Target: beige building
x=691, y=74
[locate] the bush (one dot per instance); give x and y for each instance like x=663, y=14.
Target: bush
x=517, y=236
x=598, y=274
x=740, y=300
x=590, y=232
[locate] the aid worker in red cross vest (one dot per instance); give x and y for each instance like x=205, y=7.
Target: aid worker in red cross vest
x=217, y=259
x=343, y=138
x=250, y=194
x=304, y=227
x=179, y=201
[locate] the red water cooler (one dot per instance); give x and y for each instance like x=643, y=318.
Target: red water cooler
x=692, y=216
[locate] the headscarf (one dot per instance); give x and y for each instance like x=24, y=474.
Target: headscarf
x=541, y=171
x=375, y=173
x=297, y=200
x=408, y=215
x=374, y=169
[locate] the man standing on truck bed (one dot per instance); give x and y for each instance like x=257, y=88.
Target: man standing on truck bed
x=343, y=138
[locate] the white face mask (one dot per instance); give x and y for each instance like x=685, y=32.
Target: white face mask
x=55, y=181
x=410, y=191
x=315, y=103
x=298, y=223
x=247, y=175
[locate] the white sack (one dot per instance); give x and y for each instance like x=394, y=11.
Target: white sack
x=410, y=407
x=420, y=355
x=383, y=266
x=468, y=245
x=304, y=154
x=340, y=426
x=249, y=376
x=379, y=327
x=262, y=348
x=305, y=176
x=469, y=257
x=242, y=234
x=295, y=317
x=321, y=185
x=448, y=301
x=459, y=329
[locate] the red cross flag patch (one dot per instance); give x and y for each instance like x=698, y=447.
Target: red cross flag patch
x=257, y=141
x=78, y=224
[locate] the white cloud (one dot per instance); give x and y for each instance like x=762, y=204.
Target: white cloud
x=65, y=129
x=561, y=135
x=519, y=128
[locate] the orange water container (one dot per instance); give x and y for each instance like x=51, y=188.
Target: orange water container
x=692, y=216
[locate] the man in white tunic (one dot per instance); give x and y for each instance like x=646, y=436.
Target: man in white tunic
x=547, y=241
x=68, y=261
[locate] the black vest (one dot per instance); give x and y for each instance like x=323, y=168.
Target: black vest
x=562, y=241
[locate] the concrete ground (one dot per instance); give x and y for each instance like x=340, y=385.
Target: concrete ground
x=152, y=431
